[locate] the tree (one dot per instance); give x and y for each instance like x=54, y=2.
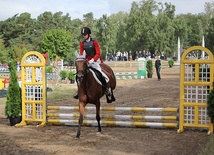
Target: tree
x=88, y=20
x=3, y=51
x=118, y=33
x=210, y=36
x=140, y=30
x=57, y=42
x=13, y=104
x=181, y=29
x=75, y=29
x=163, y=32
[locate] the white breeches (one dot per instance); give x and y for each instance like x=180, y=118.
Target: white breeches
x=96, y=65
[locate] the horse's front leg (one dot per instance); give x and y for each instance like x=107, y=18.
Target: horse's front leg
x=81, y=111
x=98, y=115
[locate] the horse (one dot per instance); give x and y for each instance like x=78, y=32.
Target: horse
x=89, y=90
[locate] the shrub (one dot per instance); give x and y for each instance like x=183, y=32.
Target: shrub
x=13, y=104
x=149, y=67
x=71, y=75
x=170, y=62
x=63, y=74
x=49, y=69
x=210, y=104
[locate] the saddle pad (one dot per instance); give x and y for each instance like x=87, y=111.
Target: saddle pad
x=95, y=76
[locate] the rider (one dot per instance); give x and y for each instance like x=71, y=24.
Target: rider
x=92, y=49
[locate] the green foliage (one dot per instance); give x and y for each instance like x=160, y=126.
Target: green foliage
x=158, y=29
x=57, y=43
x=49, y=69
x=13, y=103
x=3, y=51
x=71, y=75
x=170, y=62
x=63, y=74
x=149, y=67
x=210, y=103
x=70, y=59
x=210, y=36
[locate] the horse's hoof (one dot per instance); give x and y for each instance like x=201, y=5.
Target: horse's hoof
x=99, y=133
x=77, y=137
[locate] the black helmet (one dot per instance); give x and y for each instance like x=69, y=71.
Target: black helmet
x=85, y=30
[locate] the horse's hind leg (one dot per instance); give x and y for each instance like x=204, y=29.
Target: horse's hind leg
x=98, y=116
x=81, y=111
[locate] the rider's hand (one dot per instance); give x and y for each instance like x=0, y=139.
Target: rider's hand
x=91, y=61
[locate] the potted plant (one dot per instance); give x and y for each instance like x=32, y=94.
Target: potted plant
x=71, y=76
x=13, y=107
x=170, y=62
x=149, y=68
x=63, y=74
x=49, y=69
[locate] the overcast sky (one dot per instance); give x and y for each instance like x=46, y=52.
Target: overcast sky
x=76, y=8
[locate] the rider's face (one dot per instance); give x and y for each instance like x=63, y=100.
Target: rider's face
x=85, y=36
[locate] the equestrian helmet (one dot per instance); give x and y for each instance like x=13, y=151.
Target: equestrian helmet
x=85, y=30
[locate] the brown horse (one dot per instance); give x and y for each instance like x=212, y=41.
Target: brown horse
x=89, y=90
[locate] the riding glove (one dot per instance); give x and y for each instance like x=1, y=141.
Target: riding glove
x=91, y=61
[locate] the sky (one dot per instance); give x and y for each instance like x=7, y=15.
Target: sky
x=77, y=8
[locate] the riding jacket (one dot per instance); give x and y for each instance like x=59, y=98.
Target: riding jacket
x=91, y=48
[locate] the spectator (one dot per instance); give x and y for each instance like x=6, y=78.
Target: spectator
x=158, y=67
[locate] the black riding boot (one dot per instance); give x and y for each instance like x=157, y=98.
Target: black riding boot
x=105, y=86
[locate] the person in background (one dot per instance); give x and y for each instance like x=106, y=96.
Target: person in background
x=158, y=67
x=93, y=59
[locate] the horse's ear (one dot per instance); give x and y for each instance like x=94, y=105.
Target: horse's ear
x=76, y=54
x=84, y=54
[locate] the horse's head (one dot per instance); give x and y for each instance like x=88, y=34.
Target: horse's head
x=81, y=67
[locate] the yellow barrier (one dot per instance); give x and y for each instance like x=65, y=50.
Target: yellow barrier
x=33, y=89
x=196, y=77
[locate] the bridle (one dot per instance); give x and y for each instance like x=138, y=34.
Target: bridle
x=81, y=73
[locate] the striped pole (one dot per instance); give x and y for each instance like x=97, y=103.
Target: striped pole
x=122, y=117
x=132, y=109
x=114, y=123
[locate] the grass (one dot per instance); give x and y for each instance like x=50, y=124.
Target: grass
x=3, y=100
x=209, y=149
x=61, y=92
